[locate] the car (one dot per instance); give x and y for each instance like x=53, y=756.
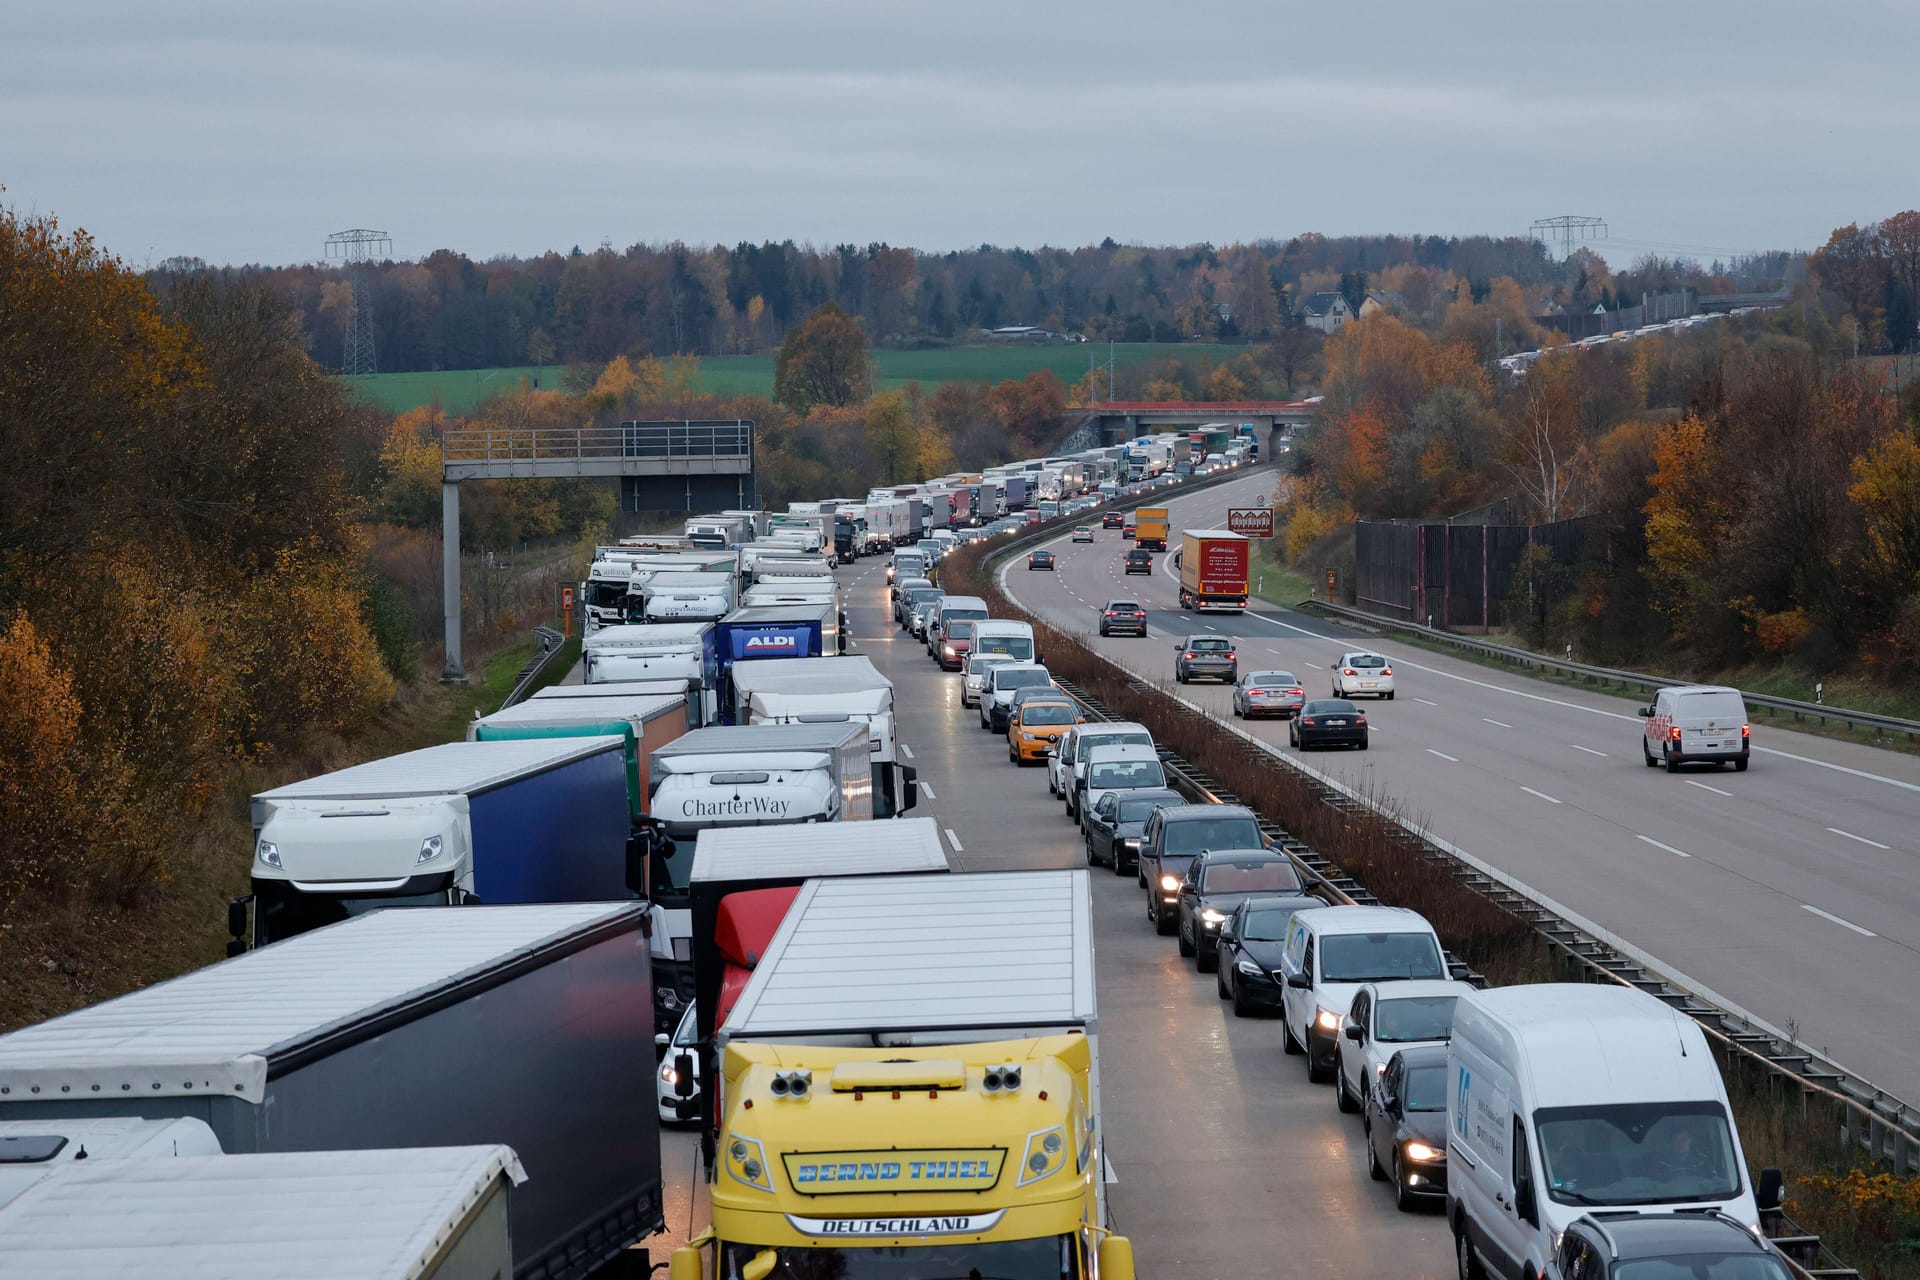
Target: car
x=1218, y=881
x=1039, y=560
x=1113, y=520
x=1123, y=617
x=677, y=1052
x=1083, y=534
x=974, y=674
x=912, y=608
x=900, y=590
x=1328, y=722
x=1139, y=560
x=1251, y=939
x=1620, y=1246
x=1406, y=1125
x=1268, y=693
x=996, y=696
x=956, y=641
x=1067, y=770
x=1363, y=672
x=1035, y=724
x=943, y=611
x=1123, y=766
x=1029, y=517
x=1382, y=1020
x=1205, y=655
x=1114, y=825
x=1173, y=838
x=1128, y=530
x=1331, y=953
x=1697, y=723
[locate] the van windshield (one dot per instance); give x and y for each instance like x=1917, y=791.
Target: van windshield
x=1019, y=648
x=1414, y=1018
x=1379, y=957
x=1638, y=1153
x=950, y=616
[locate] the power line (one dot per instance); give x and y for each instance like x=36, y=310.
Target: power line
x=1568, y=228
x=357, y=250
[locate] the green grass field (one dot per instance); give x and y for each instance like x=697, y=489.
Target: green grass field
x=461, y=389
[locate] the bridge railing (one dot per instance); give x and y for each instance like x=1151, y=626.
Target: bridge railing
x=659, y=440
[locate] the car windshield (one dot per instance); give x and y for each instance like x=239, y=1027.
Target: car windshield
x=1254, y=877
x=1366, y=661
x=1271, y=680
x=1089, y=741
x=1414, y=1018
x=1196, y=834
x=1719, y=706
x=923, y=595
x=1638, y=1153
x=1046, y=713
x=688, y=1032
x=1126, y=775
x=1379, y=957
x=1426, y=1089
x=1266, y=926
x=1138, y=810
x=1025, y=678
x=1207, y=645
x=1704, y=1266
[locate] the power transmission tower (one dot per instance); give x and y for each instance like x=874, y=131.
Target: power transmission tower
x=356, y=250
x=1567, y=229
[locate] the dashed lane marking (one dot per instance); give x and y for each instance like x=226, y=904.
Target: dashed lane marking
x=1862, y=839
x=1704, y=787
x=954, y=840
x=1443, y=755
x=1678, y=853
x=926, y=789
x=1543, y=795
x=906, y=751
x=1498, y=724
x=1589, y=750
x=1844, y=924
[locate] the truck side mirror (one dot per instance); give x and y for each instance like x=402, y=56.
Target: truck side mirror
x=1115, y=1256
x=909, y=787
x=683, y=1074
x=1768, y=1195
x=684, y=1263
x=237, y=921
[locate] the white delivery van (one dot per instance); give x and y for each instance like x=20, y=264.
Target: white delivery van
x=1015, y=639
x=1569, y=1099
x=1696, y=723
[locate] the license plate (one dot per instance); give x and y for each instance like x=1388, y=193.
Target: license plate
x=1367, y=684
x=1338, y=724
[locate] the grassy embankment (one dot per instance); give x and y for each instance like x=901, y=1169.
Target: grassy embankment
x=183, y=926
x=459, y=390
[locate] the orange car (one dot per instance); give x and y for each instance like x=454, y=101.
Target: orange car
x=1036, y=727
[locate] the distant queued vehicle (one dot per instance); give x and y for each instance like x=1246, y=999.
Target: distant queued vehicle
x=1139, y=561
x=1268, y=693
x=1083, y=534
x=1362, y=672
x=1328, y=722
x=1123, y=617
x=1219, y=881
x=1114, y=825
x=1205, y=656
x=974, y=675
x=1384, y=1019
x=1035, y=722
x=1251, y=941
x=1128, y=530
x=1040, y=560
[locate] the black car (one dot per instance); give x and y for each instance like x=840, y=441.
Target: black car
x=1123, y=616
x=1040, y=560
x=1174, y=837
x=1691, y=1244
x=1218, y=881
x=1250, y=945
x=1328, y=722
x=1114, y=825
x=1140, y=560
x=1113, y=520
x=1407, y=1125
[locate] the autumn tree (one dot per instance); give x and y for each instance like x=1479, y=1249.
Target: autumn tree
x=823, y=361
x=1545, y=449
x=891, y=437
x=1032, y=410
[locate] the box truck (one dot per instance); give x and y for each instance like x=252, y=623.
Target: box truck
x=1213, y=570
x=932, y=1091
x=718, y=531
x=524, y=1026
x=426, y=1213
x=768, y=632
x=545, y=820
x=1150, y=528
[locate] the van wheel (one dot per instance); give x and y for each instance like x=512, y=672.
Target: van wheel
x=1464, y=1256
x=1647, y=755
x=1673, y=762
x=1740, y=765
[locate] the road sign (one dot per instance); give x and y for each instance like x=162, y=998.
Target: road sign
x=1250, y=522
x=1333, y=584
x=1260, y=501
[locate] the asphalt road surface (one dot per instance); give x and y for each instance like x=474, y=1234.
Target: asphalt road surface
x=1791, y=891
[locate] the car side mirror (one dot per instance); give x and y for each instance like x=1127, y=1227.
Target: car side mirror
x=1300, y=981
x=1353, y=1032
x=1226, y=931
x=1646, y=711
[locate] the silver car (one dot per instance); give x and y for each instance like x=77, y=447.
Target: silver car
x=1268, y=693
x=1209, y=656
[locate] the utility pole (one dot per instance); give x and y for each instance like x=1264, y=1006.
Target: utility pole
x=1567, y=228
x=1110, y=396
x=357, y=250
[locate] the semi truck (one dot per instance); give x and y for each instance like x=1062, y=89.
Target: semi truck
x=824, y=690
x=1150, y=528
x=603, y=596
x=517, y=1025
x=718, y=532
x=931, y=1092
x=684, y=651
x=543, y=820
x=1214, y=565
x=644, y=722
x=768, y=632
x=685, y=597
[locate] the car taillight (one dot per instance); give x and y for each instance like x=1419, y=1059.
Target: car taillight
x=1349, y=672
x=1307, y=721
x=1360, y=719
x=1300, y=693
x=1386, y=671
x=1256, y=693
x=1230, y=655
x=1674, y=733
x=1189, y=657
x=1112, y=614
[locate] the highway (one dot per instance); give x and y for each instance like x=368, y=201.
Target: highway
x=1791, y=892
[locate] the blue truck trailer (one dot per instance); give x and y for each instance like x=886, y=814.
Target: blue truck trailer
x=765, y=632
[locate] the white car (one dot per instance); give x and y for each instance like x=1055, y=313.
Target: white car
x=1363, y=672
x=1384, y=1019
x=976, y=669
x=675, y=1109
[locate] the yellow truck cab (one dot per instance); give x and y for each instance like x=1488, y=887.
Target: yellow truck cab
x=938, y=1094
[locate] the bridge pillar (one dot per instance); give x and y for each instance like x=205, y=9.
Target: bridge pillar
x=452, y=673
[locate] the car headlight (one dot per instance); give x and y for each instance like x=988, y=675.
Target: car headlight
x=748, y=1163
x=1169, y=883
x=429, y=850
x=1029, y=737
x=1327, y=1020
x=1212, y=916
x=668, y=1074
x=1251, y=969
x=1422, y=1152
x=267, y=853
x=1130, y=844
x=1379, y=1068
x=1046, y=1153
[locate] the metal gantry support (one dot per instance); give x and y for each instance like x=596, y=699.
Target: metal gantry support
x=452, y=672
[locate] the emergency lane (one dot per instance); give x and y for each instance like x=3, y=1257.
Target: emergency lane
x=1227, y=1162
x=1791, y=892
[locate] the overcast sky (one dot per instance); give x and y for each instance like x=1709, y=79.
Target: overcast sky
x=246, y=131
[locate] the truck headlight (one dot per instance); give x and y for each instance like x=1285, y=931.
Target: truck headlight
x=267, y=853
x=1327, y=1020
x=429, y=850
x=1046, y=1153
x=748, y=1163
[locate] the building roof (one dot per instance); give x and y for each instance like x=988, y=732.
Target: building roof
x=1325, y=303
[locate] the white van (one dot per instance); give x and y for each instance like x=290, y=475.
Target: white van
x=1331, y=953
x=952, y=607
x=1696, y=722
x=1567, y=1098
x=1015, y=639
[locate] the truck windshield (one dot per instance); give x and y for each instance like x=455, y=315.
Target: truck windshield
x=1638, y=1153
x=607, y=595
x=1046, y=1258
x=1414, y=1018
x=285, y=911
x=1379, y=957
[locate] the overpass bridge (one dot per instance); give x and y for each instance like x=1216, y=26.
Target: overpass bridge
x=1118, y=421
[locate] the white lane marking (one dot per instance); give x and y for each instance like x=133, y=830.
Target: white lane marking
x=1443, y=755
x=1543, y=795
x=1844, y=924
x=926, y=789
x=1589, y=750
x=954, y=840
x=1704, y=787
x=906, y=751
x=1316, y=666
x=1497, y=723
x=1655, y=843
x=1430, y=704
x=1862, y=839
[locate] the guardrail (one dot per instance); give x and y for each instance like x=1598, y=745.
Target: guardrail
x=551, y=643
x=685, y=439
x=1818, y=711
